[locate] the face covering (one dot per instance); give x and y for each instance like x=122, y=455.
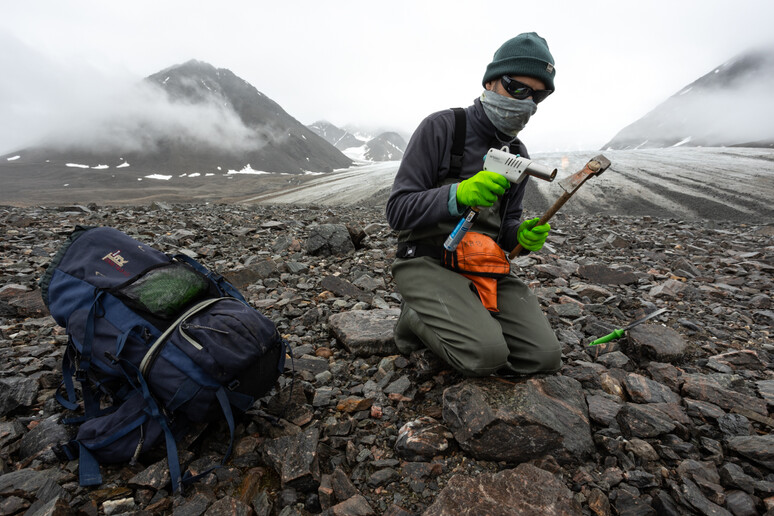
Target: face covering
x=507, y=114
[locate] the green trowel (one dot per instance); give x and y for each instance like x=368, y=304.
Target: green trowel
x=617, y=334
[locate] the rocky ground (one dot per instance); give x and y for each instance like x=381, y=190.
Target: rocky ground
x=674, y=418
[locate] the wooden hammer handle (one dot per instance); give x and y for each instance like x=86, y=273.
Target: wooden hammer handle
x=545, y=218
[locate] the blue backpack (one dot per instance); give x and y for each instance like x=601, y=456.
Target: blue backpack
x=156, y=342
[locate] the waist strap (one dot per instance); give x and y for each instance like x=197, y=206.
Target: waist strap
x=416, y=249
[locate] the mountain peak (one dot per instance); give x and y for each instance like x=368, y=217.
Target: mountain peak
x=199, y=119
x=722, y=108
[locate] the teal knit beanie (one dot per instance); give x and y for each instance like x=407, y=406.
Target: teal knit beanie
x=527, y=54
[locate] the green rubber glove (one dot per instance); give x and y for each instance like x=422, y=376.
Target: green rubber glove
x=481, y=189
x=532, y=237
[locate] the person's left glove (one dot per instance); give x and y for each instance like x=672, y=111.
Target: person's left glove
x=531, y=236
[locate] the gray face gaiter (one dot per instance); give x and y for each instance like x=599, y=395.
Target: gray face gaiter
x=507, y=114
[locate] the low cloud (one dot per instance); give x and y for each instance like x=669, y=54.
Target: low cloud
x=141, y=117
x=730, y=109
x=739, y=115
x=43, y=102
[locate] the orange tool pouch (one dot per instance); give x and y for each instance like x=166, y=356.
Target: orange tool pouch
x=482, y=261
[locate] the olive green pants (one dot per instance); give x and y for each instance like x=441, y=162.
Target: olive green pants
x=442, y=310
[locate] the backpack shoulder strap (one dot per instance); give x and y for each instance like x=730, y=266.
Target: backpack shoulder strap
x=458, y=143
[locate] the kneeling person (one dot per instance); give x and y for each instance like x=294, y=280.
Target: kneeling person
x=443, y=308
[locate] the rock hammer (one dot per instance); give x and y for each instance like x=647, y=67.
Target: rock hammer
x=570, y=185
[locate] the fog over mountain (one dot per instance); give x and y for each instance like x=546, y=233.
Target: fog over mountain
x=189, y=118
x=731, y=105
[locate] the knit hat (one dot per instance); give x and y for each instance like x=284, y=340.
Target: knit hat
x=527, y=54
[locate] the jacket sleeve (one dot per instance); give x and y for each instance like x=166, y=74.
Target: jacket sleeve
x=416, y=199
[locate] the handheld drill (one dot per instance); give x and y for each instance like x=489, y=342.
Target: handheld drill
x=515, y=168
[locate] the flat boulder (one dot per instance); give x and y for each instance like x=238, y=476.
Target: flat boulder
x=524, y=490
x=654, y=342
x=758, y=448
x=536, y=417
x=710, y=389
x=603, y=275
x=366, y=333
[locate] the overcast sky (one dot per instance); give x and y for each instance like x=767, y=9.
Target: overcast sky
x=377, y=65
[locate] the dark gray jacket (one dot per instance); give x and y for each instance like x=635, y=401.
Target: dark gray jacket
x=418, y=204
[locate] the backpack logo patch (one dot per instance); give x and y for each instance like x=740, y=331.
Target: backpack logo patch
x=116, y=261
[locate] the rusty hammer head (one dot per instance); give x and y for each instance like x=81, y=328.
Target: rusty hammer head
x=594, y=167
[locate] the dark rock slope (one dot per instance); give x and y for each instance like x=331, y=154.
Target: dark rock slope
x=191, y=118
x=674, y=418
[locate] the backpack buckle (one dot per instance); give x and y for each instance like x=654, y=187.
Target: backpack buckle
x=233, y=385
x=80, y=375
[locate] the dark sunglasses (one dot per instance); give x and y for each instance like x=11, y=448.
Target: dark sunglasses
x=521, y=91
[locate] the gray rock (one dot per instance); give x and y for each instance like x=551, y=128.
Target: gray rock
x=59, y=506
x=602, y=274
x=593, y=292
x=399, y=386
x=228, y=506
x=523, y=490
x=766, y=390
x=40, y=484
x=693, y=495
x=758, y=448
x=535, y=417
x=194, y=505
x=241, y=278
x=366, y=333
x=342, y=287
x=629, y=503
x=329, y=239
x=17, y=392
x=707, y=388
x=655, y=342
x=39, y=441
x=642, y=449
x=643, y=390
x=747, y=359
x=369, y=283
x=643, y=421
x=616, y=360
x=295, y=458
x=669, y=289
x=354, y=506
x=382, y=477
x=732, y=475
x=603, y=408
x=10, y=431
x=732, y=425
x=571, y=310
x=740, y=504
x=154, y=476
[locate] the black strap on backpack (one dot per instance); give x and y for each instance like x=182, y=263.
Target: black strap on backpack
x=414, y=249
x=458, y=143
